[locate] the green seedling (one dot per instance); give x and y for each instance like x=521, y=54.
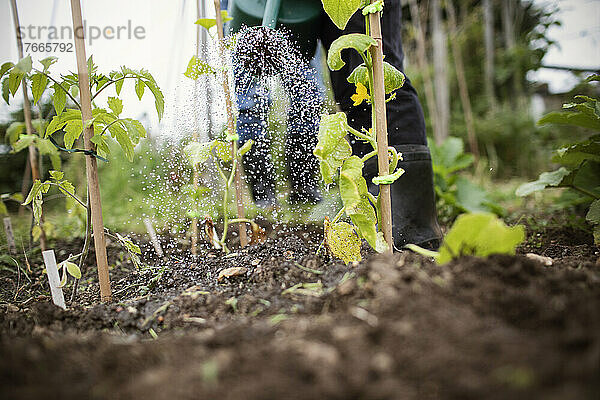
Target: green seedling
x=337, y=163
x=580, y=161
x=477, y=234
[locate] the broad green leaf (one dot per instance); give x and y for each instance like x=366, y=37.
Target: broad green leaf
x=47, y=62
x=571, y=118
x=59, y=121
x=135, y=129
x=593, y=214
x=5, y=67
x=342, y=241
x=246, y=147
x=223, y=151
x=13, y=132
x=340, y=11
x=139, y=88
x=354, y=194
x=24, y=65
x=23, y=142
x=471, y=197
x=393, y=78
x=332, y=147
x=479, y=234
x=101, y=144
x=116, y=105
x=120, y=134
x=14, y=80
x=6, y=90
x=38, y=86
x=35, y=198
x=197, y=67
x=449, y=157
x=159, y=100
x=3, y=209
x=73, y=130
x=587, y=177
x=59, y=99
x=208, y=23
x=373, y=8
x=358, y=41
x=546, y=179
x=71, y=268
x=198, y=153
x=573, y=155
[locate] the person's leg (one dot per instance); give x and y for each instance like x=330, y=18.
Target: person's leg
x=252, y=124
x=413, y=198
x=306, y=98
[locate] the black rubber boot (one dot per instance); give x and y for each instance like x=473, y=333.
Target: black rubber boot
x=302, y=170
x=259, y=174
x=414, y=217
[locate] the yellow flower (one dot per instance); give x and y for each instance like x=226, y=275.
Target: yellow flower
x=360, y=95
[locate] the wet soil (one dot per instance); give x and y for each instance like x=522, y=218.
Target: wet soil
x=298, y=325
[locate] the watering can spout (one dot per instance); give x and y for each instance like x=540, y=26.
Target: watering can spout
x=271, y=13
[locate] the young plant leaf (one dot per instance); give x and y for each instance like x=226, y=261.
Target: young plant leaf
x=38, y=86
x=139, y=88
x=479, y=234
x=197, y=67
x=116, y=105
x=393, y=78
x=340, y=11
x=332, y=147
x=342, y=241
x=47, y=62
x=71, y=268
x=198, y=153
x=388, y=179
x=5, y=68
x=246, y=147
x=208, y=23
x=59, y=99
x=546, y=179
x=357, y=41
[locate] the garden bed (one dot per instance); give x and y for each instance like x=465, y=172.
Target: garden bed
x=296, y=325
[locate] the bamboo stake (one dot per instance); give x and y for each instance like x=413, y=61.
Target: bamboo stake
x=231, y=127
x=35, y=175
x=462, y=81
x=381, y=126
x=90, y=161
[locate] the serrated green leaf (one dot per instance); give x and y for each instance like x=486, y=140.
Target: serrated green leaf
x=198, y=153
x=342, y=241
x=159, y=100
x=571, y=118
x=6, y=90
x=593, y=214
x=59, y=99
x=59, y=121
x=73, y=130
x=5, y=68
x=57, y=175
x=479, y=234
x=139, y=88
x=116, y=105
x=358, y=41
x=23, y=142
x=47, y=62
x=340, y=11
x=197, y=67
x=101, y=144
x=24, y=65
x=223, y=151
x=38, y=86
x=14, y=80
x=546, y=179
x=3, y=209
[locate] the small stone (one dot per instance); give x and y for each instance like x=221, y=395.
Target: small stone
x=347, y=287
x=11, y=308
x=231, y=272
x=547, y=261
x=255, y=262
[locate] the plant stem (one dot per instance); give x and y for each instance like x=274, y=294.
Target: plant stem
x=60, y=86
x=363, y=136
x=111, y=82
x=585, y=192
x=338, y=215
x=70, y=194
x=86, y=247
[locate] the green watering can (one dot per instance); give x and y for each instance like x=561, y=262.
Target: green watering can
x=299, y=17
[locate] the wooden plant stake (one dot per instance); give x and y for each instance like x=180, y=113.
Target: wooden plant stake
x=10, y=237
x=33, y=163
x=54, y=279
x=231, y=128
x=154, y=238
x=90, y=161
x=380, y=124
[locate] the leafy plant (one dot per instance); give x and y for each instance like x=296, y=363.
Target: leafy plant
x=333, y=149
x=580, y=161
x=218, y=152
x=476, y=234
x=455, y=193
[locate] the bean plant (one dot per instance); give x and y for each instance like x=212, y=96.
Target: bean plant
x=337, y=163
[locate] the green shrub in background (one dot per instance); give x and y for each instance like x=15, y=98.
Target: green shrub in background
x=579, y=161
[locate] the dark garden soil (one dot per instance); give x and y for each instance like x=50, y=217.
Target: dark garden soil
x=296, y=325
